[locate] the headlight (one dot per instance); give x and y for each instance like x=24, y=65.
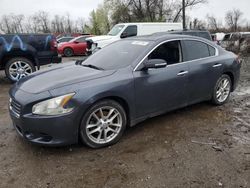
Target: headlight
x=54, y=106
x=94, y=46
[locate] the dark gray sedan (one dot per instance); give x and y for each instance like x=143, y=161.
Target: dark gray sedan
x=122, y=84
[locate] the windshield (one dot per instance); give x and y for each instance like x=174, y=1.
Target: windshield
x=115, y=30
x=74, y=39
x=117, y=55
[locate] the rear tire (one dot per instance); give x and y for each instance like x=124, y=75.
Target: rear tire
x=222, y=90
x=68, y=52
x=103, y=124
x=18, y=67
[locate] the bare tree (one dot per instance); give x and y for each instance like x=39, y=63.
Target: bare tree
x=41, y=18
x=197, y=24
x=233, y=18
x=12, y=23
x=5, y=24
x=213, y=23
x=177, y=7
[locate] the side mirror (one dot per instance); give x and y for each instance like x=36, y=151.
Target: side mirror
x=76, y=42
x=155, y=64
x=124, y=35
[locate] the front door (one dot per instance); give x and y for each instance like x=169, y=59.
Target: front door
x=162, y=89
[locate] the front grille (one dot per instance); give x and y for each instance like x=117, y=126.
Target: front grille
x=15, y=106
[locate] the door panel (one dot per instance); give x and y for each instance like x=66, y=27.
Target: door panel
x=80, y=48
x=202, y=79
x=204, y=70
x=161, y=89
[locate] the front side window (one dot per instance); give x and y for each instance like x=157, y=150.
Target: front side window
x=196, y=50
x=212, y=51
x=169, y=51
x=130, y=31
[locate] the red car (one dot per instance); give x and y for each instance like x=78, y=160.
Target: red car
x=76, y=46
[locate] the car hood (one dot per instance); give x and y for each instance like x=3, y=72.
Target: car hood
x=100, y=38
x=59, y=76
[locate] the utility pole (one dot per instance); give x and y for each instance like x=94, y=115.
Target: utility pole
x=183, y=14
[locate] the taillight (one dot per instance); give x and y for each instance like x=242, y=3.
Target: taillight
x=238, y=59
x=53, y=44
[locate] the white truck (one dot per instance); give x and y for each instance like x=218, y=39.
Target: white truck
x=124, y=30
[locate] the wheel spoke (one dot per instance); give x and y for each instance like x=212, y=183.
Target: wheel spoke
x=105, y=135
x=99, y=136
x=101, y=113
x=95, y=130
x=218, y=94
x=112, y=130
x=92, y=125
x=96, y=117
x=225, y=84
x=115, y=125
x=113, y=117
x=110, y=113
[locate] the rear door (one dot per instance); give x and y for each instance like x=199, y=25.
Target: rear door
x=204, y=69
x=162, y=89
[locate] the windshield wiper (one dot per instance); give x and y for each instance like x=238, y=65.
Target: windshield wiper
x=92, y=66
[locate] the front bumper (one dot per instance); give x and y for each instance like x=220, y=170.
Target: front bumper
x=50, y=131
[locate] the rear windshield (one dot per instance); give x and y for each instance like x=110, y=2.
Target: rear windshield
x=117, y=55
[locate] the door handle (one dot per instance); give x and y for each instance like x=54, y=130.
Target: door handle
x=182, y=73
x=217, y=65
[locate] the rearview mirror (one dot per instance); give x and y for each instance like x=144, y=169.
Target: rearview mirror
x=76, y=42
x=155, y=64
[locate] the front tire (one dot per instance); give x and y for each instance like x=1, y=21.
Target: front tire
x=103, y=124
x=222, y=90
x=19, y=67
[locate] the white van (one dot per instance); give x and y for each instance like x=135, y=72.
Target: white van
x=124, y=30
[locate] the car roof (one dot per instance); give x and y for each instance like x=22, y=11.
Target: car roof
x=159, y=37
x=149, y=23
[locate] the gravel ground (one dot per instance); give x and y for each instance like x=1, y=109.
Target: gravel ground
x=198, y=146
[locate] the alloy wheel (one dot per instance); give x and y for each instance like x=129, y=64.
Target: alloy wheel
x=223, y=90
x=19, y=69
x=104, y=124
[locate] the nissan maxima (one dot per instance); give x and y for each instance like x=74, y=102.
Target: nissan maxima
x=93, y=101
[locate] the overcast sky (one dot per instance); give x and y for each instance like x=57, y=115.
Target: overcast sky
x=82, y=8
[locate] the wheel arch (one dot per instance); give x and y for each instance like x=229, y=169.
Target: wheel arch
x=117, y=99
x=29, y=56
x=69, y=47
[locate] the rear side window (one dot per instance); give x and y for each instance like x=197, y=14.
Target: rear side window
x=205, y=35
x=212, y=51
x=196, y=50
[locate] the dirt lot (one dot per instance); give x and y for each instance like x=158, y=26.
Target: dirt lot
x=199, y=146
